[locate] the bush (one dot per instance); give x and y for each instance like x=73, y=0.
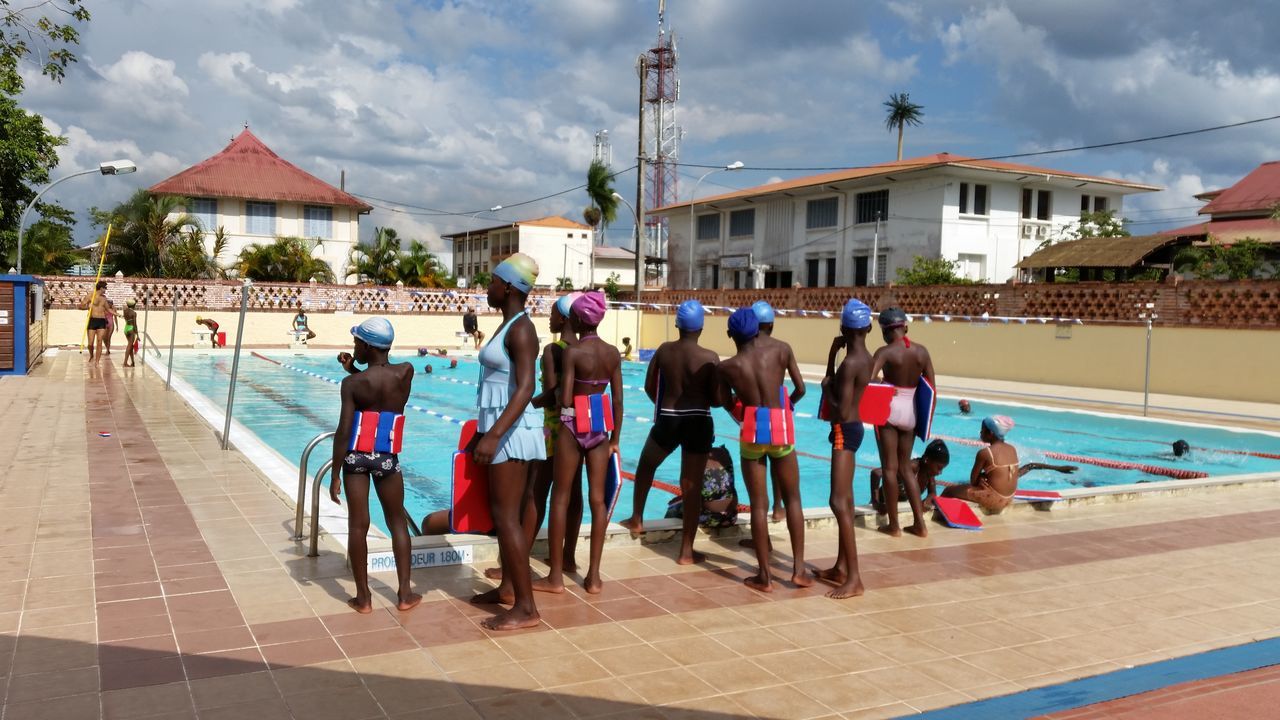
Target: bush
x=1242, y=260
x=611, y=287
x=931, y=271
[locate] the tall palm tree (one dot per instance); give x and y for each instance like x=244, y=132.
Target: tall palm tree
x=143, y=229
x=902, y=112
x=47, y=249
x=285, y=259
x=419, y=267
x=600, y=191
x=378, y=261
x=188, y=258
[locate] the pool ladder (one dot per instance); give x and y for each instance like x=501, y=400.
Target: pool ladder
x=314, y=550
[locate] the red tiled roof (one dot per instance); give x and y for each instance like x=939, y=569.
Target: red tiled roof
x=249, y=169
x=1232, y=229
x=553, y=221
x=1257, y=191
x=901, y=166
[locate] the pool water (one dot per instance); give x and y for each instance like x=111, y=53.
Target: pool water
x=286, y=405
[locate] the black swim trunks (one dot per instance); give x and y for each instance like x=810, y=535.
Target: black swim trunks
x=375, y=465
x=694, y=432
x=846, y=436
x=97, y=323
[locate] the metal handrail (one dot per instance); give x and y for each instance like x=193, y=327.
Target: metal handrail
x=315, y=508
x=302, y=480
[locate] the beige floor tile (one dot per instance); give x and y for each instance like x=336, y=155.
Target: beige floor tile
x=735, y=675
x=845, y=693
x=904, y=683
x=598, y=637
x=894, y=710
x=535, y=645
x=1006, y=664
x=493, y=680
x=408, y=665
x=693, y=650
x=785, y=702
x=337, y=674
x=661, y=627
x=796, y=665
x=402, y=695
x=469, y=655
x=630, y=660
x=954, y=673
x=852, y=657
x=597, y=698
x=757, y=641
x=564, y=670
x=669, y=685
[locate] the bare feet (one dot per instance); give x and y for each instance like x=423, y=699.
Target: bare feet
x=364, y=607
x=493, y=573
x=919, y=529
x=693, y=557
x=890, y=530
x=512, y=619
x=778, y=515
x=634, y=524
x=833, y=576
x=408, y=601
x=761, y=582
x=569, y=564
x=493, y=597
x=853, y=588
x=545, y=585
x=592, y=583
x=802, y=577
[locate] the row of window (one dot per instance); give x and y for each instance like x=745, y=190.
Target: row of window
x=260, y=217
x=745, y=279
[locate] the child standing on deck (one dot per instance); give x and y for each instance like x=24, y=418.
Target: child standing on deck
x=130, y=331
x=750, y=386
x=765, y=317
x=591, y=425
x=844, y=387
x=366, y=446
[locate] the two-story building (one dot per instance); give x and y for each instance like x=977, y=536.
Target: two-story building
x=560, y=246
x=255, y=196
x=859, y=226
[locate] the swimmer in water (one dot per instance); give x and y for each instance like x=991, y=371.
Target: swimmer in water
x=965, y=408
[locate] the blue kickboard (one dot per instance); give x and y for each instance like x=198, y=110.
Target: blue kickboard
x=926, y=400
x=612, y=484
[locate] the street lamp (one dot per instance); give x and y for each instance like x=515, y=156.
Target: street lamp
x=693, y=199
x=467, y=242
x=639, y=259
x=114, y=167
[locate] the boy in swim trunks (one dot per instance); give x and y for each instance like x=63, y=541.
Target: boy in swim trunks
x=380, y=390
x=749, y=387
x=765, y=316
x=213, y=328
x=96, y=303
x=591, y=367
x=681, y=383
x=844, y=389
x=926, y=468
x=130, y=331
x=902, y=362
x=994, y=478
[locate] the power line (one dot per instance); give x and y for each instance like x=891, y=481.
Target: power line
x=1011, y=156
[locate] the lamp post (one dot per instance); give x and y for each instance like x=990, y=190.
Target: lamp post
x=693, y=200
x=114, y=167
x=639, y=259
x=474, y=215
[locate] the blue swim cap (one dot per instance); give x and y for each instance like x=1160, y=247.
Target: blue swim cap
x=520, y=271
x=763, y=311
x=689, y=315
x=856, y=315
x=743, y=324
x=565, y=303
x=376, y=332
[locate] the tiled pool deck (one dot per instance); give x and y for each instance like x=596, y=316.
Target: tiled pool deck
x=151, y=574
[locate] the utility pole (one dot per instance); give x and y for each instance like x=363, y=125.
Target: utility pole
x=875, y=249
x=640, y=173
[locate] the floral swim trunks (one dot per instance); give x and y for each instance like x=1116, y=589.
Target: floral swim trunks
x=375, y=465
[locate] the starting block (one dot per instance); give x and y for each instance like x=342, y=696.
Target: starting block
x=298, y=340
x=203, y=339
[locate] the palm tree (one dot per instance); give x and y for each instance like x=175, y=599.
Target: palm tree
x=143, y=229
x=419, y=267
x=377, y=262
x=600, y=191
x=902, y=112
x=187, y=258
x=286, y=259
x=47, y=249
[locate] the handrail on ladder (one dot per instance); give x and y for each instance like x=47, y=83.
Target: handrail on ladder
x=314, y=547
x=302, y=481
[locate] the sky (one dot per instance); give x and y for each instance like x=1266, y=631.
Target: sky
x=461, y=105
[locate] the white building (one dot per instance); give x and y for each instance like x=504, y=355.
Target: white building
x=560, y=246
x=822, y=230
x=255, y=196
x=615, y=261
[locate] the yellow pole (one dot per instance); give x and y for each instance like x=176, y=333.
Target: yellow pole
x=94, y=295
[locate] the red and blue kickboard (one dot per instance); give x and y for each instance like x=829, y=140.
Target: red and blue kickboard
x=926, y=401
x=593, y=413
x=873, y=409
x=1036, y=495
x=957, y=513
x=469, y=506
x=612, y=484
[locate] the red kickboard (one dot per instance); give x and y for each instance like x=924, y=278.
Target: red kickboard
x=873, y=409
x=957, y=514
x=1037, y=495
x=469, y=508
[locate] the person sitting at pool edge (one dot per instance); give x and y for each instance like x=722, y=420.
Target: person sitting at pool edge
x=366, y=448
x=926, y=468
x=719, y=495
x=994, y=477
x=626, y=348
x=471, y=326
x=300, y=324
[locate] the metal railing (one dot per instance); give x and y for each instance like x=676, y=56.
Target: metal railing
x=302, y=482
x=315, y=508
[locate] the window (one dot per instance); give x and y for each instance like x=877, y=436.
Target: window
x=1027, y=196
x=261, y=218
x=1099, y=204
x=861, y=275
x=206, y=211
x=978, y=194
x=872, y=206
x=831, y=272
x=822, y=213
x=459, y=273
x=742, y=223
x=972, y=267
x=317, y=222
x=709, y=227
x=584, y=236
x=1044, y=204
x=569, y=235
x=777, y=279
x=882, y=269
x=715, y=277
x=811, y=273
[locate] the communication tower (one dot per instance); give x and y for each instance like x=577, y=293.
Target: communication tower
x=661, y=92
x=602, y=150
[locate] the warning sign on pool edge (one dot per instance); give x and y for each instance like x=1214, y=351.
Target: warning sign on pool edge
x=423, y=558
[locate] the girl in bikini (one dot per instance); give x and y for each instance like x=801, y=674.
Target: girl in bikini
x=591, y=425
x=994, y=477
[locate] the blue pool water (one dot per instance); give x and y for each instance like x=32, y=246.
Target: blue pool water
x=286, y=408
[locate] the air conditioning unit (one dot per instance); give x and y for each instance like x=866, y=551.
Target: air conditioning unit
x=1028, y=231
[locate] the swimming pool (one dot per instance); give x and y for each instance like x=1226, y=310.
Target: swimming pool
x=287, y=399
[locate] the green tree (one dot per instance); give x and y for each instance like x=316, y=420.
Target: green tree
x=188, y=258
x=932, y=271
x=902, y=112
x=285, y=259
x=144, y=230
x=378, y=261
x=1241, y=260
x=481, y=279
x=564, y=283
x=50, y=25
x=419, y=267
x=611, y=286
x=600, y=192
x=47, y=249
